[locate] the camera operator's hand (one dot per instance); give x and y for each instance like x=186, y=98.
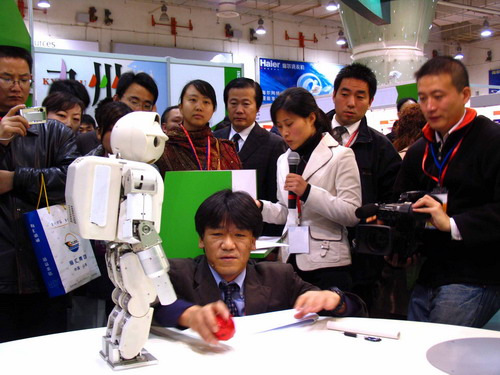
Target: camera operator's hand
x=439, y=218
x=12, y=124
x=296, y=184
x=394, y=260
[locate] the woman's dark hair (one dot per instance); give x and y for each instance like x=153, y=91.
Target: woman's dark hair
x=73, y=87
x=61, y=101
x=410, y=126
x=402, y=101
x=300, y=102
x=108, y=112
x=204, y=89
x=225, y=207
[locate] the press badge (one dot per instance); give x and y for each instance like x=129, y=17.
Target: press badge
x=298, y=239
x=440, y=193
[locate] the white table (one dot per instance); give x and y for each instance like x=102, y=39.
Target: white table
x=311, y=349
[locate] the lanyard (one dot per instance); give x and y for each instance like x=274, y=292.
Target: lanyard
x=351, y=139
x=442, y=166
x=207, y=150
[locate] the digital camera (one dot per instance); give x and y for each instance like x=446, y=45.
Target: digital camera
x=34, y=115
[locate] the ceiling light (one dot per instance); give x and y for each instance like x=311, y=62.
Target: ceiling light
x=459, y=55
x=486, y=31
x=164, y=16
x=44, y=4
x=332, y=6
x=341, y=40
x=227, y=9
x=260, y=29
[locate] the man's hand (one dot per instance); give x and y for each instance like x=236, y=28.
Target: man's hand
x=315, y=301
x=13, y=124
x=201, y=319
x=394, y=260
x=6, y=181
x=429, y=205
x=296, y=184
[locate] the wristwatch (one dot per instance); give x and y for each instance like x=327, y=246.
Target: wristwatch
x=341, y=304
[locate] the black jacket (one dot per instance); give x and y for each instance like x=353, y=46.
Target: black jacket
x=47, y=148
x=378, y=163
x=473, y=183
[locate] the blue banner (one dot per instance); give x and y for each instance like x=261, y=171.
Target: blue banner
x=494, y=79
x=278, y=75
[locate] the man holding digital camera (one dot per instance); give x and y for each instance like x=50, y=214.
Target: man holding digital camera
x=27, y=151
x=458, y=163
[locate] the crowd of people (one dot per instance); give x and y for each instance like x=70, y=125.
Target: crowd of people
x=438, y=146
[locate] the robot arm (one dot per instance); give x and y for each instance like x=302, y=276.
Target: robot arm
x=118, y=199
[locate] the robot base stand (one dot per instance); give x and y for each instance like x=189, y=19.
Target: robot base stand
x=116, y=363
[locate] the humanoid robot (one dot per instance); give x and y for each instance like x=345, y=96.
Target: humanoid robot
x=119, y=199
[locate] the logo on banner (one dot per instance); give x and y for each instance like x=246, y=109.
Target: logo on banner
x=310, y=82
x=98, y=81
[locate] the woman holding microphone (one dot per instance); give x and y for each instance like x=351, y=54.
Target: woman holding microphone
x=317, y=201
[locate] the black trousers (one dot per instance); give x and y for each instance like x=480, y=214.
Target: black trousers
x=28, y=315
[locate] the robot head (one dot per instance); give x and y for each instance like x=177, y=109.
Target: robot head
x=138, y=136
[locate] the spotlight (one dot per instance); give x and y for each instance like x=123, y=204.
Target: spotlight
x=486, y=31
x=164, y=16
x=260, y=29
x=459, y=55
x=332, y=6
x=44, y=4
x=341, y=40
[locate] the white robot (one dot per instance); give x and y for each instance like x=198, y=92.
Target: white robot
x=119, y=199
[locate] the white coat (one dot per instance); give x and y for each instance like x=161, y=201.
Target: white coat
x=335, y=194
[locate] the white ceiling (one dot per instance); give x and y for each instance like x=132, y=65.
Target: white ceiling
x=455, y=20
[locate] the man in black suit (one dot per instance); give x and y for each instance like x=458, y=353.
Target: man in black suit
x=378, y=161
x=257, y=148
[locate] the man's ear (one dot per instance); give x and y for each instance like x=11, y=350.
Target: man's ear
x=466, y=92
x=116, y=98
x=201, y=244
x=254, y=243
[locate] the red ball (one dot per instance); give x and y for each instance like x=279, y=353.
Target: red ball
x=226, y=328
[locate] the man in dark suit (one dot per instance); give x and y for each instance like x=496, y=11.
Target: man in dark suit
x=257, y=148
x=228, y=224
x=378, y=161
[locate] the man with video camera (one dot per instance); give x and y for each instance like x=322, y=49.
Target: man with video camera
x=458, y=162
x=27, y=151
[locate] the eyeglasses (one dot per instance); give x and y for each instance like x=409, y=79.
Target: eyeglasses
x=9, y=82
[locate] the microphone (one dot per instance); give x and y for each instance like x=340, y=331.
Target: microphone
x=293, y=163
x=366, y=211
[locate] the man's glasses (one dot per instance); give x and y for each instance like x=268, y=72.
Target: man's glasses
x=9, y=82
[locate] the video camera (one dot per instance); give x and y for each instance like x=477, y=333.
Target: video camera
x=400, y=231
